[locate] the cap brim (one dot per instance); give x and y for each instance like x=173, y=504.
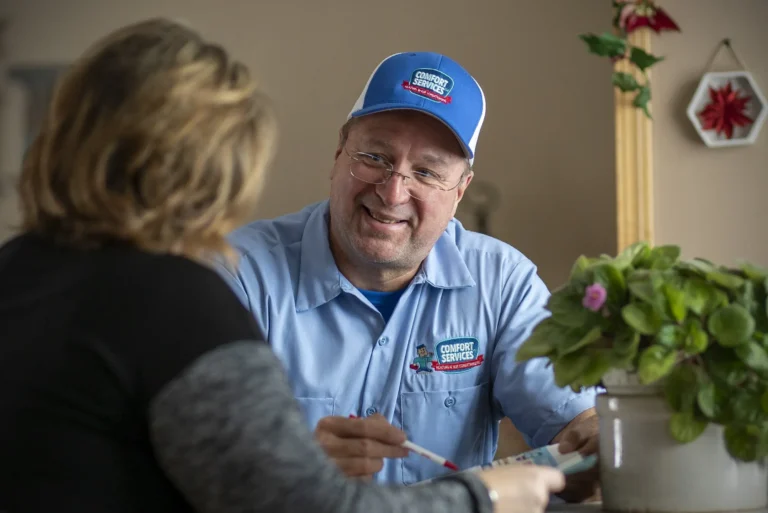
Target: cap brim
x=408, y=106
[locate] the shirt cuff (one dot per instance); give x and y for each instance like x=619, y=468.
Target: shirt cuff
x=560, y=418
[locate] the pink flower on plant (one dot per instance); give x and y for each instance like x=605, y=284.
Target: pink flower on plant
x=594, y=297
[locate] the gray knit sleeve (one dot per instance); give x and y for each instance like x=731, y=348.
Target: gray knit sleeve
x=230, y=436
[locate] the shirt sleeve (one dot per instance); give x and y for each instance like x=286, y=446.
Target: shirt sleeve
x=526, y=392
x=230, y=436
x=231, y=277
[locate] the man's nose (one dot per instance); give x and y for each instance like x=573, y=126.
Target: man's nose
x=394, y=190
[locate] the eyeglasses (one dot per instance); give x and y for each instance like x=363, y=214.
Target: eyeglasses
x=374, y=169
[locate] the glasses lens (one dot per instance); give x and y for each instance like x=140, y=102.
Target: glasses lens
x=368, y=168
x=373, y=169
x=419, y=190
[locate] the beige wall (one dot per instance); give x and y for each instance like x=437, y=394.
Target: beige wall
x=547, y=142
x=710, y=201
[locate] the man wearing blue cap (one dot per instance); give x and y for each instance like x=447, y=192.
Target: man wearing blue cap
x=382, y=306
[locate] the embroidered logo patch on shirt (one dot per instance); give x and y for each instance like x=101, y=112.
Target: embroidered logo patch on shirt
x=432, y=84
x=452, y=355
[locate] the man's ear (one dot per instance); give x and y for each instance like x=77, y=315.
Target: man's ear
x=339, y=144
x=461, y=189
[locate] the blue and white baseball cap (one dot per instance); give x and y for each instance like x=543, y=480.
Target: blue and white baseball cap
x=430, y=83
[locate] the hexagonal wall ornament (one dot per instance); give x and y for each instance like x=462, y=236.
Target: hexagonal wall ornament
x=728, y=109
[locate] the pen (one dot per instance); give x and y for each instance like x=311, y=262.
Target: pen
x=425, y=452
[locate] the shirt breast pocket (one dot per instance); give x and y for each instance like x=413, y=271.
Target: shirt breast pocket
x=452, y=423
x=315, y=408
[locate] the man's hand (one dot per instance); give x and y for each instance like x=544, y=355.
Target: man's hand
x=582, y=435
x=359, y=445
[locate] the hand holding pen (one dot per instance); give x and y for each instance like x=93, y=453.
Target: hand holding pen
x=360, y=445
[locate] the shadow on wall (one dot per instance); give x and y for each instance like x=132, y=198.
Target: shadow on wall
x=37, y=83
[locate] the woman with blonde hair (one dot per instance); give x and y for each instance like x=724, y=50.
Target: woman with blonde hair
x=131, y=378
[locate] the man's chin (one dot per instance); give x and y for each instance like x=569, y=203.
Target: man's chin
x=378, y=252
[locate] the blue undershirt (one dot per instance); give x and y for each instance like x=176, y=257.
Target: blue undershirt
x=384, y=302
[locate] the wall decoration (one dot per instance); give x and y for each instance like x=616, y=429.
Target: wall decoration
x=728, y=108
x=629, y=16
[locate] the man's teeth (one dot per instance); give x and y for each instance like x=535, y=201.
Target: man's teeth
x=382, y=220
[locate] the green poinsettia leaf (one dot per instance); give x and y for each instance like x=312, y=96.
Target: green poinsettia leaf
x=643, y=59
x=626, y=82
x=641, y=100
x=605, y=45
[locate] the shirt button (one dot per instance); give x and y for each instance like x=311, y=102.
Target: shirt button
x=346, y=288
x=370, y=411
x=383, y=341
x=450, y=401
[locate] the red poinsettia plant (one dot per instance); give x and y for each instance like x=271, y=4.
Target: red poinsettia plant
x=633, y=14
x=630, y=15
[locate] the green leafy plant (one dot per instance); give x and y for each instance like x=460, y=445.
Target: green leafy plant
x=617, y=47
x=697, y=329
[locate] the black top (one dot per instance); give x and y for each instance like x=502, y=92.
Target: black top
x=135, y=382
x=86, y=341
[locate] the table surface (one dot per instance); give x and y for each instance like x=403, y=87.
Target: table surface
x=591, y=507
x=597, y=507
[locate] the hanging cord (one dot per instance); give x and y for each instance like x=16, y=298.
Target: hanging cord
x=727, y=44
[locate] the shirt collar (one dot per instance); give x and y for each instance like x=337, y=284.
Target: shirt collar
x=444, y=267
x=320, y=280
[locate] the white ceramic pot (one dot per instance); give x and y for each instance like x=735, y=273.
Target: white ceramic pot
x=643, y=469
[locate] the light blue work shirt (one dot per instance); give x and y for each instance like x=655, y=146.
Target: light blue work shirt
x=442, y=368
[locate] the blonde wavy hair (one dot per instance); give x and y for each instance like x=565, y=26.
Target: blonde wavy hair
x=153, y=137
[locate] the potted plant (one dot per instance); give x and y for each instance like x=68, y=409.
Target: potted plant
x=681, y=349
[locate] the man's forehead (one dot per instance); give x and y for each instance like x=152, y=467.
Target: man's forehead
x=385, y=130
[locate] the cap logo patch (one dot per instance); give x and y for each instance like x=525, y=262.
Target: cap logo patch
x=432, y=84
